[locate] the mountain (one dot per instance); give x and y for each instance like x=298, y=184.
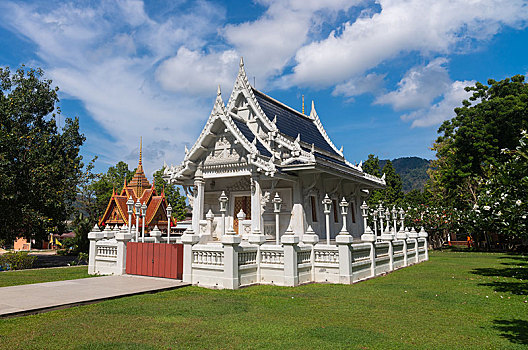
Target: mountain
x=412, y=170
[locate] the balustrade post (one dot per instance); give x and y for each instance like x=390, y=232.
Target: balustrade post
x=94, y=236
x=230, y=242
x=122, y=237
x=388, y=236
x=370, y=237
x=413, y=236
x=310, y=238
x=424, y=235
x=290, y=243
x=402, y=236
x=188, y=239
x=156, y=233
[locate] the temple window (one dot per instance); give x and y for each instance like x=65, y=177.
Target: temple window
x=313, y=207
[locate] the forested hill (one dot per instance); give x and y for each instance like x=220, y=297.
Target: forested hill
x=412, y=170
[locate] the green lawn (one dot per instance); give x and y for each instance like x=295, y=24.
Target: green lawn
x=456, y=300
x=13, y=278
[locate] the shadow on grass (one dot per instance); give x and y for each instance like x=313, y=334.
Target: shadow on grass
x=517, y=270
x=515, y=330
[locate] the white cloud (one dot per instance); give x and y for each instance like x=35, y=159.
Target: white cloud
x=104, y=55
x=402, y=26
x=419, y=87
x=371, y=83
x=193, y=72
x=442, y=110
x=267, y=45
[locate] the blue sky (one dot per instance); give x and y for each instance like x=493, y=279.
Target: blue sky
x=383, y=74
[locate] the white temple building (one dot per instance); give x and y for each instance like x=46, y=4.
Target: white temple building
x=256, y=150
x=273, y=200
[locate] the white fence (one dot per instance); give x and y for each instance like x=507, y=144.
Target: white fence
x=230, y=264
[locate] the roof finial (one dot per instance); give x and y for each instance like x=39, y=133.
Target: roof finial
x=303, y=104
x=218, y=92
x=140, y=150
x=241, y=62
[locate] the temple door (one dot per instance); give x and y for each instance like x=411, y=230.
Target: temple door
x=244, y=203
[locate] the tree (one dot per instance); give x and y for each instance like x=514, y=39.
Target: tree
x=471, y=142
x=372, y=166
x=40, y=165
x=392, y=192
x=172, y=194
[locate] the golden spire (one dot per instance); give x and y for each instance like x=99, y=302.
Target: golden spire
x=140, y=150
x=302, y=104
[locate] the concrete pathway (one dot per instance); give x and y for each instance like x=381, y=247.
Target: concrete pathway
x=41, y=297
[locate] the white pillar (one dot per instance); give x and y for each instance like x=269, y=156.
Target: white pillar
x=327, y=218
x=230, y=243
x=256, y=212
x=277, y=232
x=122, y=237
x=188, y=239
x=291, y=275
x=94, y=236
x=344, y=242
x=198, y=203
x=311, y=239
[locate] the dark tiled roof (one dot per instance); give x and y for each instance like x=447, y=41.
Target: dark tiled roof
x=293, y=123
x=244, y=129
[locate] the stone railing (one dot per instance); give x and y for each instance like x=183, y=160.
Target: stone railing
x=230, y=265
x=107, y=254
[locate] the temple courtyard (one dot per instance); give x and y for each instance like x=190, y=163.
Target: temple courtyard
x=456, y=300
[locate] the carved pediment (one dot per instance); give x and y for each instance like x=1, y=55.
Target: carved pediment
x=226, y=151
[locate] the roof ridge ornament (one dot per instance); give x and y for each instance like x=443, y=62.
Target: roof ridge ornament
x=317, y=121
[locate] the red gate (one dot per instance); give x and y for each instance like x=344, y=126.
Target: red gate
x=155, y=259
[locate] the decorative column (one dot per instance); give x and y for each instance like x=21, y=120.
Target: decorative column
x=156, y=233
x=402, y=236
x=94, y=236
x=311, y=239
x=381, y=214
x=130, y=207
x=143, y=216
x=169, y=216
x=223, y=208
x=290, y=242
x=327, y=206
x=256, y=209
x=413, y=236
x=370, y=237
x=424, y=235
x=122, y=237
x=198, y=203
x=188, y=239
x=277, y=204
x=388, y=237
x=343, y=205
x=375, y=219
x=344, y=242
x=395, y=218
x=210, y=218
x=230, y=243
x=138, y=212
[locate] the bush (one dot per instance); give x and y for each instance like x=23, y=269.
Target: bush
x=16, y=261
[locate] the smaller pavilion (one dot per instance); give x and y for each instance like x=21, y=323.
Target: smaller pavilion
x=139, y=189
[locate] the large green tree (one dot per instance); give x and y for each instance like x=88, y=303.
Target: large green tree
x=40, y=165
x=471, y=142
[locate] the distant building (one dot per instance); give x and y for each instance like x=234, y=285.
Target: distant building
x=116, y=212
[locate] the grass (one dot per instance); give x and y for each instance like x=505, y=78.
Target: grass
x=457, y=300
x=18, y=277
